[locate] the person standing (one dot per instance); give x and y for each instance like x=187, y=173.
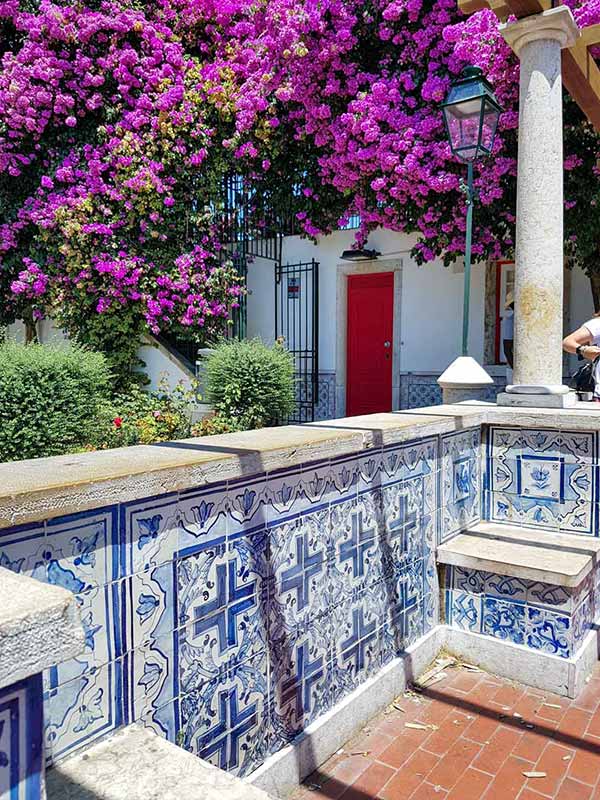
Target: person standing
x=585, y=344
x=507, y=329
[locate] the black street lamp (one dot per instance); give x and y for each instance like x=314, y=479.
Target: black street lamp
x=471, y=114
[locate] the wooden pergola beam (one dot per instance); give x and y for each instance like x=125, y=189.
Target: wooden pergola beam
x=590, y=36
x=581, y=77
x=520, y=8
x=580, y=72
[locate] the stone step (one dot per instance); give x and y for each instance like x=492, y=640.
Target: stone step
x=136, y=764
x=559, y=559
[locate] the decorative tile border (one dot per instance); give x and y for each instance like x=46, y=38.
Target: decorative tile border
x=21, y=734
x=547, y=618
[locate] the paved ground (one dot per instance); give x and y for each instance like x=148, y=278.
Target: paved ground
x=482, y=734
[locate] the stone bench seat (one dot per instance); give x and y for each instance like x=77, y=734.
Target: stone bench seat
x=136, y=764
x=551, y=558
x=536, y=591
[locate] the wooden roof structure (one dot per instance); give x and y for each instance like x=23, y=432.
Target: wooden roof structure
x=581, y=75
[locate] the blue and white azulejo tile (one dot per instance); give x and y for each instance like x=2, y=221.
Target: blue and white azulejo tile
x=549, y=631
x=545, y=479
x=226, y=722
x=149, y=531
x=504, y=620
x=21, y=740
x=461, y=482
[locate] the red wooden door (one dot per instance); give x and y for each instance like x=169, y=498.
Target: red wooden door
x=370, y=335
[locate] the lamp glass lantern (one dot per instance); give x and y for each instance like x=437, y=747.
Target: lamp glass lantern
x=471, y=114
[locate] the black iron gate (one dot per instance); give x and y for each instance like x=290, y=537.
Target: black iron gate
x=297, y=323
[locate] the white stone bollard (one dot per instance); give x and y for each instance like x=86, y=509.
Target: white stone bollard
x=464, y=380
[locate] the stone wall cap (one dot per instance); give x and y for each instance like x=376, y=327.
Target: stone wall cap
x=39, y=489
x=40, y=626
x=136, y=764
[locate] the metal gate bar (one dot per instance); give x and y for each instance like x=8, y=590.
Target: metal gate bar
x=297, y=323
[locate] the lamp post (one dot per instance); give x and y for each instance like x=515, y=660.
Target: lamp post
x=471, y=114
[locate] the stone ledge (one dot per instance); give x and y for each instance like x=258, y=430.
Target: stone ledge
x=136, y=764
x=40, y=626
x=37, y=489
x=551, y=559
x=46, y=487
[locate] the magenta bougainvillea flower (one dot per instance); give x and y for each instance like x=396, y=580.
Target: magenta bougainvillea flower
x=118, y=120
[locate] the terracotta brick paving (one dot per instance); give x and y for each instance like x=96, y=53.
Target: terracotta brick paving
x=483, y=733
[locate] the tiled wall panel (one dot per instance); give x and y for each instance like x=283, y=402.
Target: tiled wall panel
x=542, y=479
x=229, y=617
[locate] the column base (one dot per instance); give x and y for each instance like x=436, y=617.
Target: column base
x=567, y=400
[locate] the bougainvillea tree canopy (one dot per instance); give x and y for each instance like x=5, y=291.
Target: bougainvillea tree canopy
x=118, y=120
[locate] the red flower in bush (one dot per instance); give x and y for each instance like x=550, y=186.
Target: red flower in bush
x=118, y=422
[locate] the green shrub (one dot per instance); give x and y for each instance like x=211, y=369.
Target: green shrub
x=49, y=398
x=250, y=384
x=139, y=417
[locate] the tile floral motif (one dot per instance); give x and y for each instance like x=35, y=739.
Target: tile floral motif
x=344, y=474
x=504, y=620
x=81, y=550
x=548, y=631
x=83, y=710
x=461, y=481
x=201, y=514
x=148, y=533
x=543, y=479
x=21, y=740
x=247, y=503
x=285, y=492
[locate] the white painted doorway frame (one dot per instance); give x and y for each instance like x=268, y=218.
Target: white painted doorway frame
x=345, y=269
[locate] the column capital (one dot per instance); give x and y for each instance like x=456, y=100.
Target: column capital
x=556, y=24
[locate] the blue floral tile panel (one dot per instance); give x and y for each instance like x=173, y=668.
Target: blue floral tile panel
x=545, y=479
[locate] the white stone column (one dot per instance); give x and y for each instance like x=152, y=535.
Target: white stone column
x=538, y=40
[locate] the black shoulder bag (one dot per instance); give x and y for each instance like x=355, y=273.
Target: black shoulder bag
x=583, y=380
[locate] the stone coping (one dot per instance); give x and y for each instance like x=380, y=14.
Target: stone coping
x=551, y=558
x=136, y=764
x=40, y=626
x=38, y=489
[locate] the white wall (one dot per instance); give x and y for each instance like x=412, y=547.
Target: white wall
x=581, y=304
x=161, y=365
x=431, y=300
